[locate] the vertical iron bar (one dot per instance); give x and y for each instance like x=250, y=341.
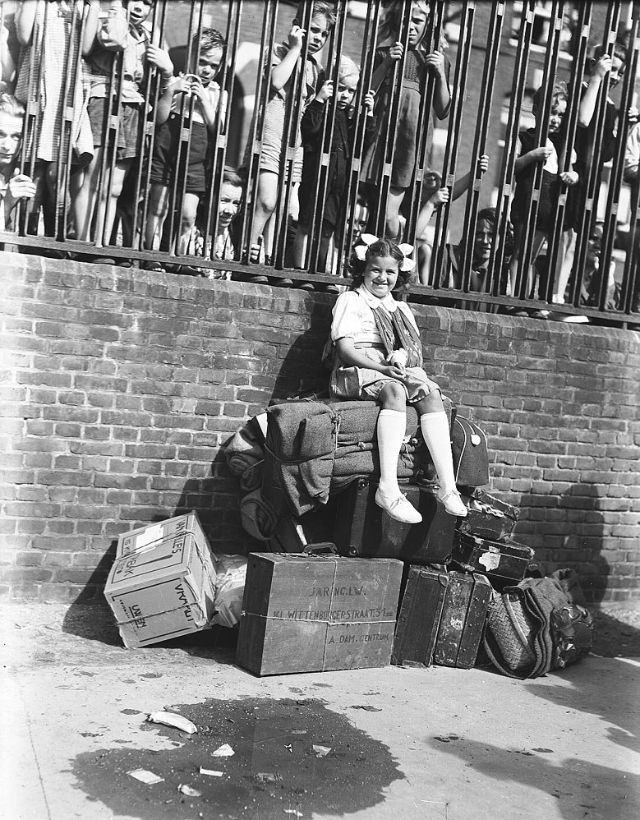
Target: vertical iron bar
x=480, y=139
x=176, y=201
x=615, y=179
x=328, y=128
x=630, y=279
x=588, y=216
x=31, y=123
x=263, y=88
x=433, y=36
x=391, y=123
x=541, y=134
x=630, y=273
x=110, y=148
x=148, y=132
x=556, y=243
x=66, y=128
x=293, y=115
x=344, y=241
x=453, y=136
x=506, y=183
x=227, y=81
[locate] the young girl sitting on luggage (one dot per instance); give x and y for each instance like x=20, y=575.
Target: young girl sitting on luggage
x=379, y=356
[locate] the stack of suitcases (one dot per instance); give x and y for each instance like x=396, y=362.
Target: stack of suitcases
x=449, y=567
x=444, y=607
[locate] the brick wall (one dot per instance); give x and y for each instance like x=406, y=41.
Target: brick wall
x=119, y=386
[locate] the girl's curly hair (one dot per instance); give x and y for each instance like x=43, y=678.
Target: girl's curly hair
x=381, y=247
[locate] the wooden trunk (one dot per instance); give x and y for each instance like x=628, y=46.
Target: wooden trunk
x=305, y=613
x=463, y=618
x=419, y=617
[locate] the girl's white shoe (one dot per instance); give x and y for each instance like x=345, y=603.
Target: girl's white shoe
x=452, y=503
x=398, y=508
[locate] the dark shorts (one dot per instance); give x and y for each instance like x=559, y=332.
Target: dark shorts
x=128, y=126
x=165, y=155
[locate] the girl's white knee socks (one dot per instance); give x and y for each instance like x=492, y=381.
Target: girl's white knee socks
x=435, y=431
x=391, y=428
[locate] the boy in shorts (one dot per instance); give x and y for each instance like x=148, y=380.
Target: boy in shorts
x=189, y=101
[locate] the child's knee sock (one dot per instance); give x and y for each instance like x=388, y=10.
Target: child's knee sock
x=391, y=427
x=435, y=431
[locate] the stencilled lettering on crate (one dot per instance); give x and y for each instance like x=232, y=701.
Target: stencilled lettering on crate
x=334, y=615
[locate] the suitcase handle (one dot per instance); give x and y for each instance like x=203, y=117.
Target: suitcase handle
x=322, y=548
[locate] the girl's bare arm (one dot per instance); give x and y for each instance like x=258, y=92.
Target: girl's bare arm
x=282, y=71
x=352, y=357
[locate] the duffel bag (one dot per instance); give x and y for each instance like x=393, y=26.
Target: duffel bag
x=536, y=627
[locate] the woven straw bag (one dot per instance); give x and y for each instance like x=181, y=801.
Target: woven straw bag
x=509, y=637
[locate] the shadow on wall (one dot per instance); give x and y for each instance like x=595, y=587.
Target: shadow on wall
x=216, y=496
x=302, y=372
x=568, y=531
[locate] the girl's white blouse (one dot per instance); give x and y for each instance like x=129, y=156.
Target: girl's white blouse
x=353, y=316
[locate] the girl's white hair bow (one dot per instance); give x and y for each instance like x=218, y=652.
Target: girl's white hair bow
x=406, y=250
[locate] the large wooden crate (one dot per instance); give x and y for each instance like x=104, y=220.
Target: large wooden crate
x=306, y=613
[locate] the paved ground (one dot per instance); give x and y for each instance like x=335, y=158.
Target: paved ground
x=404, y=743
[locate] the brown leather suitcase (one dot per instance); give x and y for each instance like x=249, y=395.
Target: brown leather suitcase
x=363, y=530
x=502, y=561
x=488, y=516
x=463, y=618
x=419, y=616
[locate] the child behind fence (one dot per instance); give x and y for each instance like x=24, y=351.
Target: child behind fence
x=123, y=29
x=191, y=102
x=405, y=130
x=274, y=139
x=14, y=186
x=50, y=34
x=553, y=179
x=222, y=241
x=344, y=131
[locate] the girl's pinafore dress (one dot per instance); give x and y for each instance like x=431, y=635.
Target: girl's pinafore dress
x=353, y=317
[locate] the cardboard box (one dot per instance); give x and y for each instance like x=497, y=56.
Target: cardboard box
x=162, y=591
x=306, y=613
x=144, y=537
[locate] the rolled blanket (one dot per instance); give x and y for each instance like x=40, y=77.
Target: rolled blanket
x=243, y=450
x=257, y=516
x=251, y=478
x=301, y=439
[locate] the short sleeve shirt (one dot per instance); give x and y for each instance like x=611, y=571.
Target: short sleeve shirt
x=353, y=316
x=312, y=74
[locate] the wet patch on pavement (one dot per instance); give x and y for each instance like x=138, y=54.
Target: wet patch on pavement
x=279, y=768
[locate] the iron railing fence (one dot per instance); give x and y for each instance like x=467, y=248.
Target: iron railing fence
x=572, y=249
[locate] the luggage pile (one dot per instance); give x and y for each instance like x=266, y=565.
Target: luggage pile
x=459, y=583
